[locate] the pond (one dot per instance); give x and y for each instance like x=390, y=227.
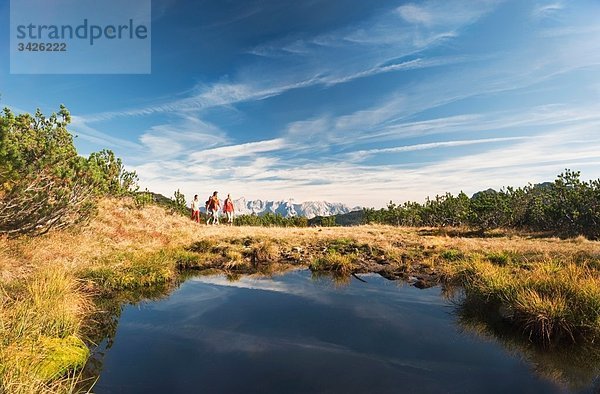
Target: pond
x=296, y=333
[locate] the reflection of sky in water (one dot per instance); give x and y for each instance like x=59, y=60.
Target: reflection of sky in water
x=295, y=334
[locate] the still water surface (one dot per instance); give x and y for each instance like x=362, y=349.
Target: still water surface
x=295, y=334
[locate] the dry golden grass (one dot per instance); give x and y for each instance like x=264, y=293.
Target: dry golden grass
x=551, y=299
x=120, y=228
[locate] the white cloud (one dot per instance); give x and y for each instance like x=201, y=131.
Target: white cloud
x=240, y=150
x=387, y=68
x=415, y=14
x=546, y=9
x=180, y=135
x=363, y=154
x=161, y=145
x=448, y=14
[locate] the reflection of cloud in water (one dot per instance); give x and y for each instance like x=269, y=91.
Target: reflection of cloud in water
x=394, y=303
x=230, y=341
x=204, y=299
x=390, y=301
x=301, y=285
x=408, y=320
x=245, y=282
x=182, y=296
x=223, y=341
x=321, y=289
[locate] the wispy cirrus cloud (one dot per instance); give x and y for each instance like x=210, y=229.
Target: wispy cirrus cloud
x=453, y=15
x=230, y=93
x=546, y=9
x=181, y=135
x=239, y=150
x=363, y=154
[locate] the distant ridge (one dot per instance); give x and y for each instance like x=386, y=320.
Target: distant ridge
x=289, y=208
x=353, y=218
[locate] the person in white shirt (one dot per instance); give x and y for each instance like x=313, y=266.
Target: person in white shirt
x=196, y=209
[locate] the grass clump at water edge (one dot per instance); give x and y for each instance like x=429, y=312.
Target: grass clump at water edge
x=40, y=326
x=344, y=264
x=550, y=301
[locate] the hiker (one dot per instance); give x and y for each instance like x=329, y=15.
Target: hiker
x=228, y=209
x=212, y=208
x=196, y=209
x=207, y=206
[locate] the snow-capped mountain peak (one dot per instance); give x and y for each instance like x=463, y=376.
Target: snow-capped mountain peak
x=289, y=208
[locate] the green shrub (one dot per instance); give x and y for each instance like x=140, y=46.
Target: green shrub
x=143, y=199
x=566, y=207
x=44, y=183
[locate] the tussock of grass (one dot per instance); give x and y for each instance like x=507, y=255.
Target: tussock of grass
x=391, y=254
x=39, y=330
x=500, y=258
x=264, y=251
x=235, y=261
x=335, y=262
x=452, y=255
x=188, y=260
x=201, y=246
x=541, y=315
x=139, y=270
x=234, y=255
x=550, y=300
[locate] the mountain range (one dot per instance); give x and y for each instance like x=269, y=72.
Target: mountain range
x=289, y=208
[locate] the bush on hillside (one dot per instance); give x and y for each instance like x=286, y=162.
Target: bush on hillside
x=270, y=220
x=567, y=207
x=44, y=183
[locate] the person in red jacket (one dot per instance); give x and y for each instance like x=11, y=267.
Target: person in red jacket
x=212, y=207
x=228, y=209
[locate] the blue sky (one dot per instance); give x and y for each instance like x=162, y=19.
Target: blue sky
x=343, y=100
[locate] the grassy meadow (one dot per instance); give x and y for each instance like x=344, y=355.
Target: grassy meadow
x=547, y=288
